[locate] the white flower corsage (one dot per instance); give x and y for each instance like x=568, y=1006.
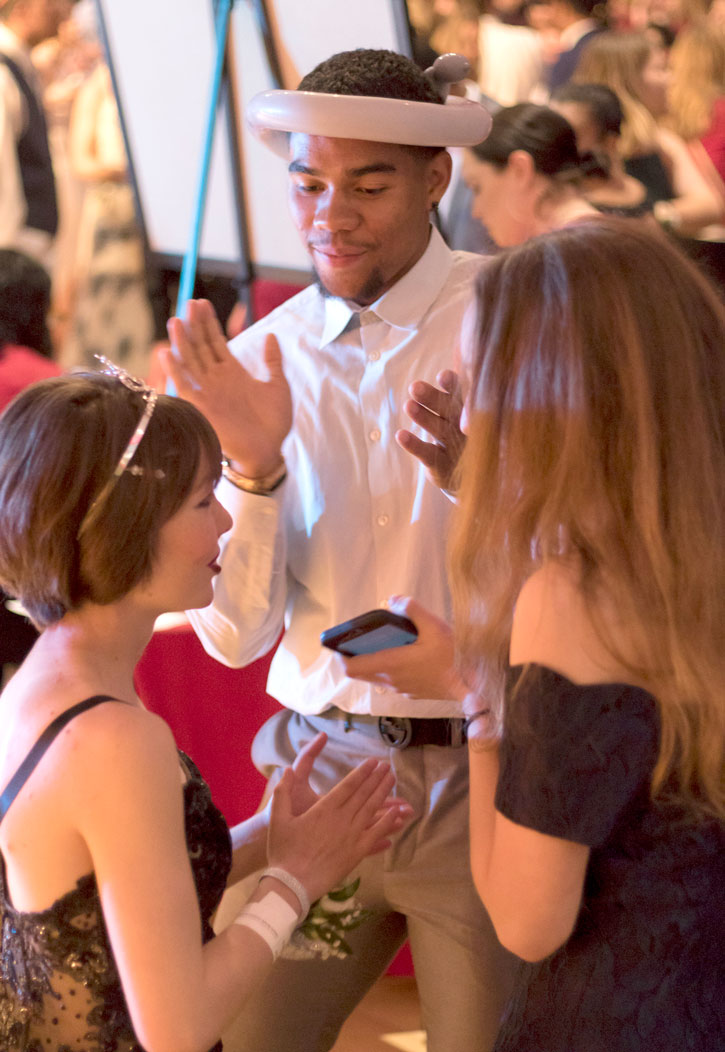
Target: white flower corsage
x=322, y=932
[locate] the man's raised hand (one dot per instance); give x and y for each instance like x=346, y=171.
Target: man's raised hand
x=250, y=416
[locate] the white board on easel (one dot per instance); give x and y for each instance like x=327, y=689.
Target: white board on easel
x=162, y=54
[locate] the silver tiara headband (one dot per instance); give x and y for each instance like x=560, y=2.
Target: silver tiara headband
x=150, y=397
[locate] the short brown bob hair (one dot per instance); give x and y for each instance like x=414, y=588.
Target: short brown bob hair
x=60, y=441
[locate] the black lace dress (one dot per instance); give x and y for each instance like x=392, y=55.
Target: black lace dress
x=643, y=969
x=59, y=987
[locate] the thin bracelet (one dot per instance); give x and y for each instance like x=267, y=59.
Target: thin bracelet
x=293, y=884
x=261, y=486
x=472, y=719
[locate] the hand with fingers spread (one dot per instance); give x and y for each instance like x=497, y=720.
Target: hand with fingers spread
x=437, y=410
x=423, y=669
x=302, y=795
x=327, y=841
x=250, y=416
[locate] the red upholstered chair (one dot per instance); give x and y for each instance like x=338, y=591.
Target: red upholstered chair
x=266, y=295
x=214, y=712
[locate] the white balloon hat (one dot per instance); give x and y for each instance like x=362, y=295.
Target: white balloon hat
x=273, y=115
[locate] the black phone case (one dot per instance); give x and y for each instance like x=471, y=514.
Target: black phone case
x=336, y=637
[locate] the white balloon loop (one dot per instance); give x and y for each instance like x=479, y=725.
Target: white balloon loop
x=273, y=115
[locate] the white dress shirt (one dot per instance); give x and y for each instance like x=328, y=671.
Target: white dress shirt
x=357, y=520
x=511, y=61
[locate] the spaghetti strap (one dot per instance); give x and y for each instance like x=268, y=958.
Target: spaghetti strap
x=46, y=739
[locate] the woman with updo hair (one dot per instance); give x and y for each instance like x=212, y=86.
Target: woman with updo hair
x=637, y=71
x=595, y=114
x=526, y=176
x=113, y=857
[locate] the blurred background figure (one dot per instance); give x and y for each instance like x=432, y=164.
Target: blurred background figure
x=112, y=315
x=28, y=202
x=63, y=63
x=637, y=71
x=526, y=176
x=25, y=346
x=510, y=54
x=576, y=22
x=595, y=114
x=697, y=97
x=445, y=25
x=666, y=15
x=25, y=356
x=506, y=53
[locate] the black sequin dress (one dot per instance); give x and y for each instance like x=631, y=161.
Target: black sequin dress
x=59, y=987
x=643, y=970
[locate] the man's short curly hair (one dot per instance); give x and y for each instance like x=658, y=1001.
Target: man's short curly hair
x=369, y=71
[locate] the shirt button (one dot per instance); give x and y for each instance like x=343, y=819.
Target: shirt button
x=374, y=356
x=383, y=520
x=379, y=690
x=374, y=435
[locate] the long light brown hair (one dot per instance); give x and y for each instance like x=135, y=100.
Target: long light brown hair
x=597, y=431
x=617, y=61
x=698, y=78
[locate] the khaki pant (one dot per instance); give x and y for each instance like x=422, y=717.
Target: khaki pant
x=420, y=888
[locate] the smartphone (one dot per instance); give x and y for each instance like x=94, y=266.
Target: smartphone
x=369, y=632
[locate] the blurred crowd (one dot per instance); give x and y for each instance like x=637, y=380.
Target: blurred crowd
x=93, y=251
x=642, y=84
x=619, y=108
x=585, y=570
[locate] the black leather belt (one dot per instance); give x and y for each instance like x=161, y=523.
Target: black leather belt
x=402, y=732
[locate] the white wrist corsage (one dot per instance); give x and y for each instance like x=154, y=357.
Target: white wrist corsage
x=322, y=932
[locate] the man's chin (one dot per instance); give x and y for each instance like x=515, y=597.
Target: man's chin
x=363, y=295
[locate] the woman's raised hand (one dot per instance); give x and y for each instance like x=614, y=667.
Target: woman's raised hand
x=324, y=844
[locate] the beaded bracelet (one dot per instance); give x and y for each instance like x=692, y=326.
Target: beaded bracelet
x=261, y=486
x=293, y=884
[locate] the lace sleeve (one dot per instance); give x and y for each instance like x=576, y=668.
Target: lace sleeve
x=573, y=757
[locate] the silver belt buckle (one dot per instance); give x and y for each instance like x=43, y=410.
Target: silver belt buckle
x=396, y=731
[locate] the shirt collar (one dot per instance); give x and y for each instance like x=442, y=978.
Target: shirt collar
x=403, y=305
x=574, y=32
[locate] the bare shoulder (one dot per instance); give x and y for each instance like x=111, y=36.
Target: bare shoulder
x=119, y=728
x=670, y=142
x=122, y=758
x=112, y=766
x=553, y=590
x=114, y=744
x=553, y=626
